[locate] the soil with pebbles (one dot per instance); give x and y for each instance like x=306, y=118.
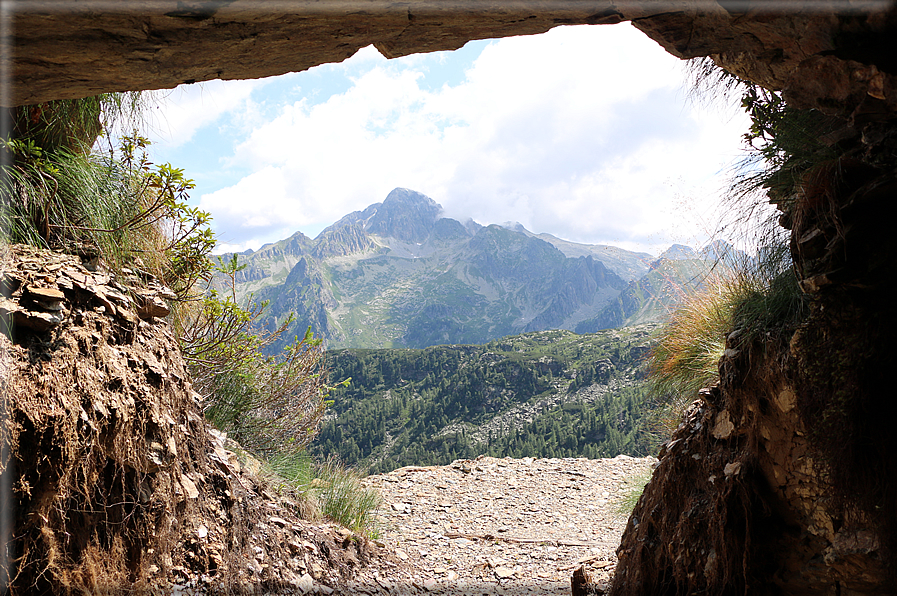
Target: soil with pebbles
x=503, y=526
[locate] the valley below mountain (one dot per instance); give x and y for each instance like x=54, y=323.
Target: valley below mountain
x=541, y=394
x=459, y=340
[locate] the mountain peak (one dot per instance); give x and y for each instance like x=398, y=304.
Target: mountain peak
x=723, y=252
x=406, y=196
x=405, y=215
x=678, y=252
x=516, y=226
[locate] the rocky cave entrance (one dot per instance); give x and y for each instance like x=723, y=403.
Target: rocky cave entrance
x=836, y=63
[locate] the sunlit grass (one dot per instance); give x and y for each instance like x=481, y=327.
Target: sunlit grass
x=634, y=486
x=327, y=490
x=688, y=349
x=757, y=300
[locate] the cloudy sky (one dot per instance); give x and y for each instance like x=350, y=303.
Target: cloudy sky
x=587, y=133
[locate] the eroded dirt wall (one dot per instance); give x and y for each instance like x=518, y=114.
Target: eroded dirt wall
x=117, y=483
x=782, y=479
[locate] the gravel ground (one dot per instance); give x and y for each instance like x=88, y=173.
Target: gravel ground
x=503, y=526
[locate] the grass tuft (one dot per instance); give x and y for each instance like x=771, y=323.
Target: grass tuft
x=758, y=299
x=688, y=349
x=633, y=489
x=327, y=489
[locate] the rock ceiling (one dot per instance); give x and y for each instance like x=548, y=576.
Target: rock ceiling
x=68, y=49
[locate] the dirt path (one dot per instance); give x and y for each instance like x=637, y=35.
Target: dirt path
x=503, y=526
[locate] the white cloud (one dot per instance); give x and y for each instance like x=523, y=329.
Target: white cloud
x=582, y=132
x=180, y=112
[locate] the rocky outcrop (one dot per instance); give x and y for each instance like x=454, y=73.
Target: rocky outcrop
x=739, y=503
x=305, y=297
x=497, y=252
x=782, y=479
x=405, y=215
x=116, y=483
x=341, y=240
x=582, y=283
x=66, y=52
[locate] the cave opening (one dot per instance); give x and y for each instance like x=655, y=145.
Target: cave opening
x=838, y=238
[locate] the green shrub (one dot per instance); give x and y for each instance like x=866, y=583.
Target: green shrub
x=268, y=404
x=75, y=124
x=60, y=192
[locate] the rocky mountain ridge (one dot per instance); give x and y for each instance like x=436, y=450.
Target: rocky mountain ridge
x=398, y=274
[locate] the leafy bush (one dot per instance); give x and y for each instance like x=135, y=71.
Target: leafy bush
x=269, y=404
x=59, y=192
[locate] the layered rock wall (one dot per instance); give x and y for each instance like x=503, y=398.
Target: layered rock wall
x=739, y=504
x=68, y=50
x=782, y=480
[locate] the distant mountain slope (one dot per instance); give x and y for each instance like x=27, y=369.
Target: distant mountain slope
x=542, y=394
x=628, y=265
x=679, y=271
x=397, y=274
x=270, y=264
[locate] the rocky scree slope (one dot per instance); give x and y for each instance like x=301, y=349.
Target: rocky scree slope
x=116, y=482
x=507, y=526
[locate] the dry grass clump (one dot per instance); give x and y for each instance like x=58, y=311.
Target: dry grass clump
x=634, y=486
x=758, y=299
x=688, y=349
